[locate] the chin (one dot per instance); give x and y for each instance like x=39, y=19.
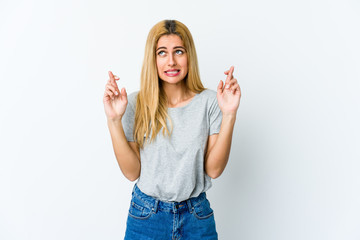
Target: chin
x=172, y=80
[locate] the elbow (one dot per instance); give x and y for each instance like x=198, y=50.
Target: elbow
x=214, y=176
x=214, y=173
x=132, y=178
x=213, y=169
x=131, y=172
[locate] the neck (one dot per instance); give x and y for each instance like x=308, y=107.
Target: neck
x=176, y=93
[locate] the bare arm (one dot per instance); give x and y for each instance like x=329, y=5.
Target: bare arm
x=218, y=149
x=127, y=153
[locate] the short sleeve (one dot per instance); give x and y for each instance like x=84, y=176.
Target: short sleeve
x=215, y=117
x=128, y=119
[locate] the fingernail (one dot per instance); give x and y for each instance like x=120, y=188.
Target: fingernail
x=227, y=86
x=116, y=93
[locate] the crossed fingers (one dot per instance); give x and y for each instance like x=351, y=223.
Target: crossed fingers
x=111, y=86
x=231, y=83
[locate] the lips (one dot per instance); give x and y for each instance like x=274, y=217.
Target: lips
x=172, y=72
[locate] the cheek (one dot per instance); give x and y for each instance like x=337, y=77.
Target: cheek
x=182, y=61
x=185, y=64
x=161, y=62
x=158, y=65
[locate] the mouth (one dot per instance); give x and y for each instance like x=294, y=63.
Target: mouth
x=172, y=72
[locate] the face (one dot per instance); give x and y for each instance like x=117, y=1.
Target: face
x=171, y=59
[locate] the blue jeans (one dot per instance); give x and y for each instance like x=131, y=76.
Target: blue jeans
x=150, y=218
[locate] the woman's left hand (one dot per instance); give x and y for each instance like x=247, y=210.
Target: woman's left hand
x=228, y=96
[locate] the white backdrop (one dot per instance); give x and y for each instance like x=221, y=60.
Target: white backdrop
x=294, y=168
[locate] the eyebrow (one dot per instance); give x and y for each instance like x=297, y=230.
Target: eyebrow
x=174, y=47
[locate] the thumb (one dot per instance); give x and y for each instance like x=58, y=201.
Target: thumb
x=220, y=87
x=123, y=94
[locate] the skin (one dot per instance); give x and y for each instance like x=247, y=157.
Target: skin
x=171, y=54
x=127, y=153
x=168, y=57
x=218, y=148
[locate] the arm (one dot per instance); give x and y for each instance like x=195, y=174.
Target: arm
x=127, y=153
x=218, y=149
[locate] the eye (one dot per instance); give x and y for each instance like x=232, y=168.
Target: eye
x=161, y=53
x=179, y=52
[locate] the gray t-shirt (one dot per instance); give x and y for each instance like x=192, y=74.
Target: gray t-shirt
x=172, y=168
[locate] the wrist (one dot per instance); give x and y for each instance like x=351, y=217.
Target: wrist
x=114, y=121
x=229, y=115
x=228, y=119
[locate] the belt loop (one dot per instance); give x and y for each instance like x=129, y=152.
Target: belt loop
x=190, y=207
x=155, y=207
x=133, y=190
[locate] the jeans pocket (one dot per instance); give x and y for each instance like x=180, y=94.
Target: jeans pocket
x=139, y=210
x=203, y=210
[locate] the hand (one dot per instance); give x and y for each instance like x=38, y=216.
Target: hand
x=228, y=96
x=115, y=102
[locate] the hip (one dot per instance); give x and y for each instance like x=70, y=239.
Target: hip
x=151, y=218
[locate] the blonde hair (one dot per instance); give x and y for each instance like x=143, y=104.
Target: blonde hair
x=151, y=104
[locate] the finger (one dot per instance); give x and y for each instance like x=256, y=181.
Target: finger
x=112, y=81
x=115, y=77
x=106, y=96
x=234, y=87
x=229, y=75
x=112, y=77
x=110, y=94
x=114, y=85
x=231, y=83
x=123, y=94
x=112, y=88
x=220, y=87
x=238, y=90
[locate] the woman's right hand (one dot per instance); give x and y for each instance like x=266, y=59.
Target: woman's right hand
x=115, y=102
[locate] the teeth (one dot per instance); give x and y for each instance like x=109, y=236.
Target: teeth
x=173, y=72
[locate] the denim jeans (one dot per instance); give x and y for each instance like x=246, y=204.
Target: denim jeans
x=150, y=218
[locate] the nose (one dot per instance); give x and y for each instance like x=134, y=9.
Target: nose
x=171, y=60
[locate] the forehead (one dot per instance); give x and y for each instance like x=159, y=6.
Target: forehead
x=169, y=41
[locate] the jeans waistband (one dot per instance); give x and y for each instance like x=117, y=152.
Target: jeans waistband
x=156, y=204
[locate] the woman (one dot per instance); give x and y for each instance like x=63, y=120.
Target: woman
x=173, y=136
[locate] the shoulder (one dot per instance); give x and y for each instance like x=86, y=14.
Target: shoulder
x=132, y=98
x=209, y=99
x=208, y=96
x=208, y=93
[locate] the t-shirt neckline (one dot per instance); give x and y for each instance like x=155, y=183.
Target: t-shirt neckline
x=188, y=104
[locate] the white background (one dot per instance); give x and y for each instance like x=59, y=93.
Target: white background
x=294, y=168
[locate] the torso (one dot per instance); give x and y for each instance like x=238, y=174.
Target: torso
x=183, y=103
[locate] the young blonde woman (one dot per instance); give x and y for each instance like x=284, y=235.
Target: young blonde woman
x=173, y=136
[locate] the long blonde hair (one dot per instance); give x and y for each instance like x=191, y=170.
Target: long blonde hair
x=151, y=104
